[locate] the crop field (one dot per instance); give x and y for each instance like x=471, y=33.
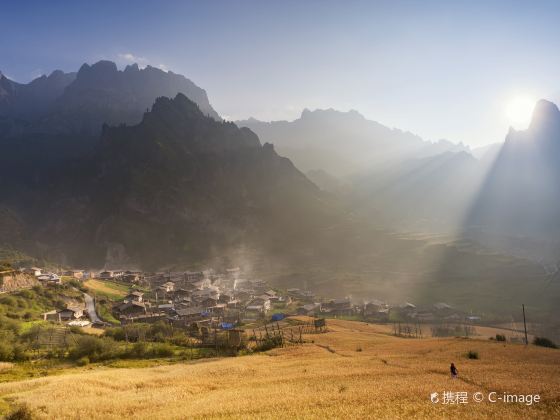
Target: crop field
x=355, y=370
x=107, y=288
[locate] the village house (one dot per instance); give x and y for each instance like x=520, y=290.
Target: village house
x=407, y=309
x=309, y=309
x=135, y=296
x=236, y=303
x=49, y=279
x=181, y=293
x=71, y=312
x=208, y=302
x=200, y=295
x=166, y=287
x=271, y=294
x=77, y=274
x=243, y=296
x=193, y=276
x=106, y=275
x=51, y=316
x=131, y=308
x=201, y=284
x=293, y=292
x=189, y=315
x=339, y=307
x=219, y=309
x=257, y=308
x=34, y=271
x=142, y=318
x=183, y=301
x=167, y=308
x=373, y=308
x=132, y=276
x=225, y=298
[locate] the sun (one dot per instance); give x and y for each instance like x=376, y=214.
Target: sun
x=519, y=110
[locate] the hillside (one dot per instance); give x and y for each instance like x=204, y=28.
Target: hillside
x=178, y=184
x=355, y=370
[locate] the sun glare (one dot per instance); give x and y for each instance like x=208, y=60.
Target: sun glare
x=519, y=110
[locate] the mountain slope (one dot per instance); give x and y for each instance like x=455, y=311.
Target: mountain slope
x=173, y=186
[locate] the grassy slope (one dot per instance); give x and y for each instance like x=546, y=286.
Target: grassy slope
x=389, y=378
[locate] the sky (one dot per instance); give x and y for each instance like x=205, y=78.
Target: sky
x=463, y=71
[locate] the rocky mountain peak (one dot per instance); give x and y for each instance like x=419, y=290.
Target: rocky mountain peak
x=545, y=115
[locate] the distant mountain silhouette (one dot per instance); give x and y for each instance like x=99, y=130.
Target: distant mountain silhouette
x=62, y=115
x=343, y=143
x=103, y=94
x=35, y=99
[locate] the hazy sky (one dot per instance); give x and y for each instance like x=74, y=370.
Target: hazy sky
x=442, y=69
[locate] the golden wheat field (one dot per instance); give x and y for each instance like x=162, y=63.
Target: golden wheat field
x=355, y=370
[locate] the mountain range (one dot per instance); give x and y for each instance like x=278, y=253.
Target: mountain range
x=62, y=115
x=344, y=143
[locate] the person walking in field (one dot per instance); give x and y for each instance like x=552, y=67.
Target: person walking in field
x=454, y=371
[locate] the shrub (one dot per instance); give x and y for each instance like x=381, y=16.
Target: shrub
x=143, y=350
x=162, y=350
x=500, y=337
x=269, y=343
x=544, y=342
x=96, y=349
x=83, y=361
x=116, y=333
x=9, y=324
x=6, y=351
x=10, y=349
x=21, y=412
x=472, y=354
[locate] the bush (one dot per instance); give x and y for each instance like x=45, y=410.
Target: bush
x=544, y=342
x=472, y=355
x=21, y=412
x=162, y=350
x=83, y=361
x=96, y=349
x=9, y=324
x=500, y=337
x=269, y=344
x=116, y=333
x=143, y=350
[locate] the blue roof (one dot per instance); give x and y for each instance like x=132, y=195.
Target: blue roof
x=278, y=317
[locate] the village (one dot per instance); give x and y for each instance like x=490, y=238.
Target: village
x=224, y=300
